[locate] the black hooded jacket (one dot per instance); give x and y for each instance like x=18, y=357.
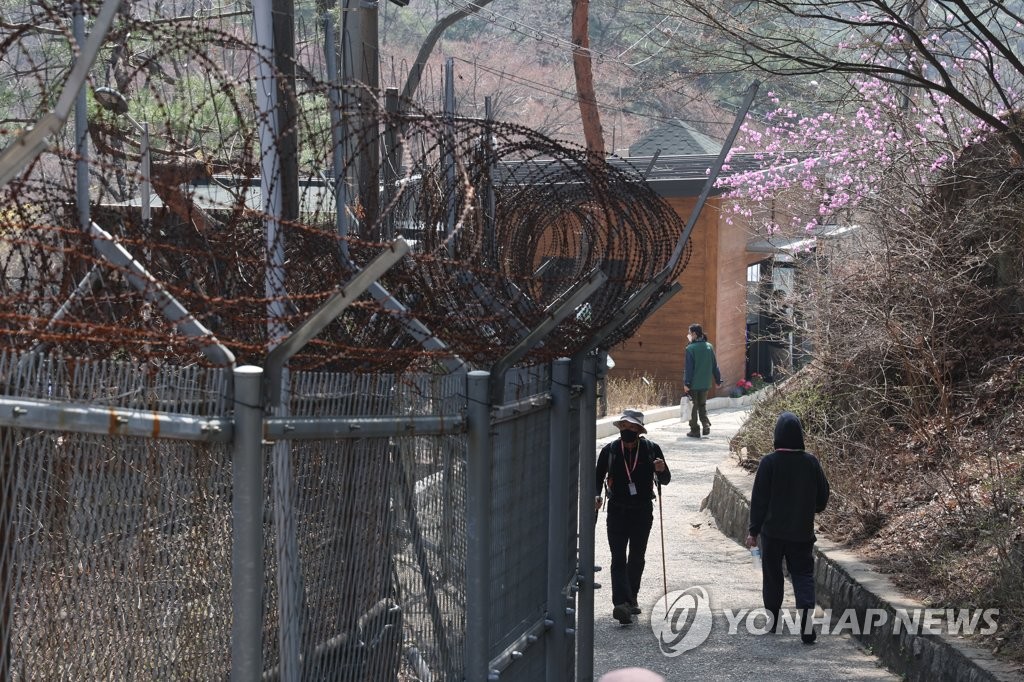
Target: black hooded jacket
x=789, y=488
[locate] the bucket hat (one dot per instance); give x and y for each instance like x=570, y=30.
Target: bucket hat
x=633, y=417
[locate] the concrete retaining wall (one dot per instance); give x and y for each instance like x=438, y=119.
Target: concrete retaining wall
x=844, y=581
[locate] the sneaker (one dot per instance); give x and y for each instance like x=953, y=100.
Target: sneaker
x=693, y=434
x=622, y=614
x=634, y=609
x=707, y=430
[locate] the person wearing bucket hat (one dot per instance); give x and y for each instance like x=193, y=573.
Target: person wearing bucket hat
x=627, y=469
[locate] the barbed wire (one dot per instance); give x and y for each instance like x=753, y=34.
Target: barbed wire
x=503, y=221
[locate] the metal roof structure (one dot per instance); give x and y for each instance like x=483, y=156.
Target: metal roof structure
x=684, y=176
x=675, y=139
x=786, y=247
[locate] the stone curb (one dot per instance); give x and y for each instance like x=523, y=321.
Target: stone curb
x=845, y=581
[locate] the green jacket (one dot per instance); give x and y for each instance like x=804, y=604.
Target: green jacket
x=701, y=366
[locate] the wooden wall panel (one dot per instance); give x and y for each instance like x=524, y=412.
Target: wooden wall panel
x=714, y=295
x=656, y=350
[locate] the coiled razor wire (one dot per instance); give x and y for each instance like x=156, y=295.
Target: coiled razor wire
x=503, y=220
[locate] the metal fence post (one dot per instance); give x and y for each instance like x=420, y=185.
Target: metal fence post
x=247, y=527
x=558, y=485
x=587, y=523
x=478, y=526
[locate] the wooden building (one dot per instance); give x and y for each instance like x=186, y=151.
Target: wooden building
x=714, y=292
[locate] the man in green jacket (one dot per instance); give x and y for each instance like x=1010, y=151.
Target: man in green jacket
x=701, y=367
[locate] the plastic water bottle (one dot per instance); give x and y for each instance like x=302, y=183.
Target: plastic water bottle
x=755, y=555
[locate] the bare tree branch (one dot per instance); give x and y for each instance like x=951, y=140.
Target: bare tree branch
x=962, y=50
x=416, y=72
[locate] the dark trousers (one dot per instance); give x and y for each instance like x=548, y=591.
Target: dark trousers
x=699, y=410
x=799, y=558
x=628, y=530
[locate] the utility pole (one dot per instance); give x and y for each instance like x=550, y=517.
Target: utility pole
x=288, y=140
x=360, y=64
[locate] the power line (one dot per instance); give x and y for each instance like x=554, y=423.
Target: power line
x=571, y=96
x=517, y=26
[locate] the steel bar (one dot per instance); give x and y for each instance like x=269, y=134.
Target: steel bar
x=479, y=469
x=519, y=408
x=316, y=428
x=628, y=310
x=716, y=168
x=52, y=415
x=531, y=636
x=327, y=313
x=555, y=313
x=154, y=292
x=81, y=127
x=247, y=553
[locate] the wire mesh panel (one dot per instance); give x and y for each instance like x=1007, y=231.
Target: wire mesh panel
x=148, y=385
x=115, y=557
x=430, y=552
x=519, y=528
x=378, y=530
x=114, y=551
x=521, y=508
x=341, y=515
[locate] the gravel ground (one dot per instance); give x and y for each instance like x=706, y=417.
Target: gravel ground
x=698, y=555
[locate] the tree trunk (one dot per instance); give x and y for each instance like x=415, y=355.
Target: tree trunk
x=583, y=69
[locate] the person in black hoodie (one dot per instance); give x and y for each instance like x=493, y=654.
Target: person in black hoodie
x=627, y=468
x=789, y=489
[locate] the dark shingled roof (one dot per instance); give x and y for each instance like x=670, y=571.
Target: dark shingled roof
x=675, y=138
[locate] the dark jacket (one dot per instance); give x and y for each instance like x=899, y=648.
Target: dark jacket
x=701, y=366
x=612, y=464
x=789, y=488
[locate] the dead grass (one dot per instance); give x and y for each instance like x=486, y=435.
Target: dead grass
x=638, y=392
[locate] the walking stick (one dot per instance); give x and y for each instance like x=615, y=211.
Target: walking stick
x=664, y=572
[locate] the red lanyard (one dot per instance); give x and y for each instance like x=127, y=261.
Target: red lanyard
x=636, y=458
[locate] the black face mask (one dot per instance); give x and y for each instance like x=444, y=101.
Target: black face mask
x=628, y=436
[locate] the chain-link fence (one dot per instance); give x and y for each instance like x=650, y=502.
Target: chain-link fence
x=120, y=524
x=393, y=492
